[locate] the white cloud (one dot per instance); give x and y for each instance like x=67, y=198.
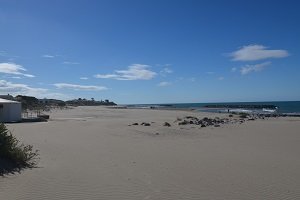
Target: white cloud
x=256, y=52
x=210, y=73
x=233, y=69
x=84, y=78
x=134, y=72
x=15, y=89
x=221, y=78
x=12, y=68
x=254, y=68
x=70, y=63
x=79, y=87
x=112, y=76
x=164, y=83
x=48, y=56
x=29, y=75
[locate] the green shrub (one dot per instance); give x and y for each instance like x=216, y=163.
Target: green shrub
x=244, y=115
x=15, y=153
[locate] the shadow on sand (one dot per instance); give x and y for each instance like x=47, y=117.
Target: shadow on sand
x=7, y=167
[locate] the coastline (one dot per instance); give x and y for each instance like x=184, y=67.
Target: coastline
x=92, y=153
x=279, y=107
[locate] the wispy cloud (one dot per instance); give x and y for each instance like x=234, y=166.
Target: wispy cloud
x=210, y=73
x=134, y=72
x=79, y=87
x=163, y=65
x=257, y=52
x=12, y=88
x=48, y=56
x=84, y=78
x=70, y=63
x=7, y=55
x=233, y=69
x=192, y=79
x=165, y=71
x=3, y=53
x=254, y=68
x=12, y=68
x=221, y=78
x=164, y=84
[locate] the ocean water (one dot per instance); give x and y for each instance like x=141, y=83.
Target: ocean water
x=282, y=106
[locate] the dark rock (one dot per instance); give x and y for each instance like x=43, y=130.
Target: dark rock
x=216, y=125
x=167, y=124
x=135, y=124
x=191, y=117
x=183, y=122
x=203, y=125
x=145, y=124
x=199, y=122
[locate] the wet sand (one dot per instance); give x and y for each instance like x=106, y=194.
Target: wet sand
x=92, y=153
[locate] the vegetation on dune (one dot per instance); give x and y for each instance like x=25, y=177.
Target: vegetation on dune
x=14, y=155
x=243, y=115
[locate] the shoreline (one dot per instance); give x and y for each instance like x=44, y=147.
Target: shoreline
x=281, y=107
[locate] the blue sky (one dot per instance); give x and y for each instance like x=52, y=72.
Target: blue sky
x=138, y=51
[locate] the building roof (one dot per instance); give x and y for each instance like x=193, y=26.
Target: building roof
x=7, y=101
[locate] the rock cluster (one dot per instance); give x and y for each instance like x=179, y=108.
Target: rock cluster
x=204, y=122
x=142, y=124
x=213, y=122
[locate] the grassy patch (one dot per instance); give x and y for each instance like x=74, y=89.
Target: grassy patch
x=244, y=115
x=15, y=155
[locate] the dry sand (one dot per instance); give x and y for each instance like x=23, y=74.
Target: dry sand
x=92, y=153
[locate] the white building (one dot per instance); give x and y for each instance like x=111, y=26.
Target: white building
x=10, y=111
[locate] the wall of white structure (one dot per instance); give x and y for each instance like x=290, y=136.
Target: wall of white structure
x=10, y=111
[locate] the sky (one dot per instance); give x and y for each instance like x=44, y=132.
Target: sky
x=151, y=51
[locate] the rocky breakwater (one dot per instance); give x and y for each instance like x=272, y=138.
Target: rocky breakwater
x=237, y=118
x=206, y=122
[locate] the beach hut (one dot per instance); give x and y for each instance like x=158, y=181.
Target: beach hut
x=10, y=111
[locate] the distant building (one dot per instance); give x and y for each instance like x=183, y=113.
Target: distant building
x=10, y=111
x=51, y=102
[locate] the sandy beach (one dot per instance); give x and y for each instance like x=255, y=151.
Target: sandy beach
x=93, y=153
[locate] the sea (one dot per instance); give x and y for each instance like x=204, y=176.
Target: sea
x=282, y=107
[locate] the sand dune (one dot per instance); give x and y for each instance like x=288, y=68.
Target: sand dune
x=92, y=153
